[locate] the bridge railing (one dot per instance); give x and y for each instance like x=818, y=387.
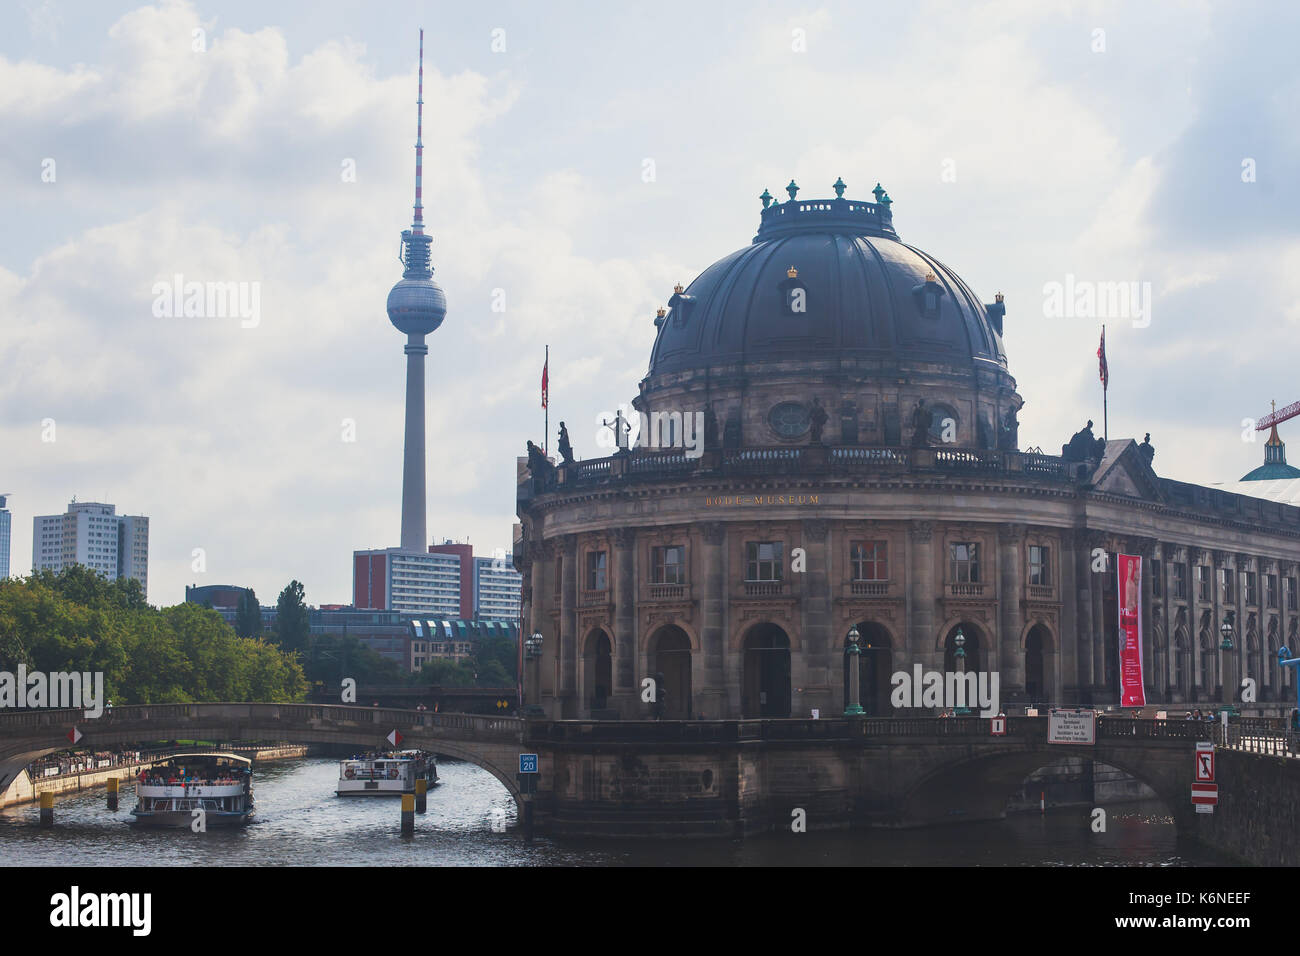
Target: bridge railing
x=1270, y=741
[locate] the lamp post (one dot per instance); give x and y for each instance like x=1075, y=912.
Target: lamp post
x=854, y=705
x=1225, y=646
x=960, y=655
x=533, y=652
x=1284, y=659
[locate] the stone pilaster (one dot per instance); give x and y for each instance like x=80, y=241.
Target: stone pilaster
x=816, y=613
x=567, y=661
x=625, y=637
x=921, y=591
x=713, y=602
x=1010, y=661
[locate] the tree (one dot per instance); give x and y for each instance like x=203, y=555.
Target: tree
x=248, y=615
x=292, y=625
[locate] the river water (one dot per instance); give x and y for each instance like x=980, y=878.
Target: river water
x=471, y=817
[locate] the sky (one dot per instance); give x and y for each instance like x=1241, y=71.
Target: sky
x=580, y=159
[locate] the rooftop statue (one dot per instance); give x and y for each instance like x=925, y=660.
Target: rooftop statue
x=566, y=448
x=818, y=416
x=922, y=419
x=540, y=466
x=1009, y=433
x=1147, y=450
x=1083, y=445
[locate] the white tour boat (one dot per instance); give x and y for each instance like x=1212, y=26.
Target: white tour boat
x=386, y=774
x=219, y=784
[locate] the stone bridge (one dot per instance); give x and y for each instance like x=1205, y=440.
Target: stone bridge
x=681, y=778
x=490, y=742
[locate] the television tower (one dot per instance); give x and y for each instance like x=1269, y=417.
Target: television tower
x=416, y=306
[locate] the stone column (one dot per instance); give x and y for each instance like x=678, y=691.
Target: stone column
x=1083, y=602
x=1102, y=627
x=1207, y=695
x=816, y=624
x=1146, y=549
x=1011, y=658
x=625, y=636
x=1068, y=680
x=711, y=570
x=568, y=627
x=921, y=596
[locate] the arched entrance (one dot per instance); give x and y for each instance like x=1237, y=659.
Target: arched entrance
x=1040, y=669
x=974, y=648
x=670, y=656
x=766, y=685
x=875, y=665
x=597, y=670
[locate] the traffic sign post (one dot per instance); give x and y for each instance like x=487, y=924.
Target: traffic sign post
x=998, y=726
x=75, y=735
x=394, y=738
x=528, y=763
x=1205, y=762
x=1205, y=794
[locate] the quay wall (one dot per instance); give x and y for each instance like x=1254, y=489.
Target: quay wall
x=1257, y=819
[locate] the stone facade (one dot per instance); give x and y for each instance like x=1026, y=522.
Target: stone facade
x=1017, y=550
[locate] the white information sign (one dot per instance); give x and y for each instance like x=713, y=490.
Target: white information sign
x=1071, y=727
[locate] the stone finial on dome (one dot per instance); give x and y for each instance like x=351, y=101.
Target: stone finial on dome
x=661, y=312
x=878, y=192
x=839, y=187
x=766, y=197
x=792, y=189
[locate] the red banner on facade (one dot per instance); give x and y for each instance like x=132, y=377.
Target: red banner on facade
x=1131, y=692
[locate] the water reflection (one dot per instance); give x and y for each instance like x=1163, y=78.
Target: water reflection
x=471, y=819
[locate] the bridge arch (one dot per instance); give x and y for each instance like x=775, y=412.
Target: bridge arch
x=980, y=787
x=492, y=743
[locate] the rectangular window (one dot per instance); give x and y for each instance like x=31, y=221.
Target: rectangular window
x=964, y=562
x=596, y=579
x=1270, y=589
x=1157, y=578
x=1040, y=565
x=763, y=561
x=1289, y=584
x=869, y=560
x=668, y=565
x=1203, y=583
x=1225, y=586
x=1249, y=587
x=1180, y=580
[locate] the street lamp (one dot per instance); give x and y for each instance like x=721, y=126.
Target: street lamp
x=1284, y=659
x=854, y=706
x=1226, y=668
x=960, y=655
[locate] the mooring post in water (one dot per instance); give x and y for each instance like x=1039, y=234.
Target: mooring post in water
x=421, y=795
x=408, y=814
x=47, y=809
x=112, y=793
x=1042, y=801
x=527, y=809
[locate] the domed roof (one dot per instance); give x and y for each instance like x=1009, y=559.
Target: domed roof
x=828, y=278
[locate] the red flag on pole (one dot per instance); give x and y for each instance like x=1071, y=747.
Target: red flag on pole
x=545, y=371
x=1101, y=357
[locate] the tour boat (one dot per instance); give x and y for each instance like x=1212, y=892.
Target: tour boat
x=386, y=774
x=219, y=784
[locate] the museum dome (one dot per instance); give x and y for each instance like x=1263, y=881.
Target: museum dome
x=828, y=279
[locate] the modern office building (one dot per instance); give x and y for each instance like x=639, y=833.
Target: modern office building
x=497, y=589
x=92, y=534
x=452, y=639
x=465, y=556
x=6, y=526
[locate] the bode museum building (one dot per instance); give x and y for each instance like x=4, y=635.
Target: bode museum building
x=836, y=451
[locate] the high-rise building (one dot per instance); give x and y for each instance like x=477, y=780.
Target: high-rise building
x=497, y=589
x=92, y=534
x=465, y=555
x=394, y=579
x=6, y=523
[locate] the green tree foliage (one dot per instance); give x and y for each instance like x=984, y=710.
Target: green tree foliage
x=496, y=661
x=333, y=657
x=77, y=620
x=292, y=625
x=445, y=673
x=248, y=615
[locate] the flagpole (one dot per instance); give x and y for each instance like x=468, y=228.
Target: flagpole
x=546, y=434
x=1105, y=392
